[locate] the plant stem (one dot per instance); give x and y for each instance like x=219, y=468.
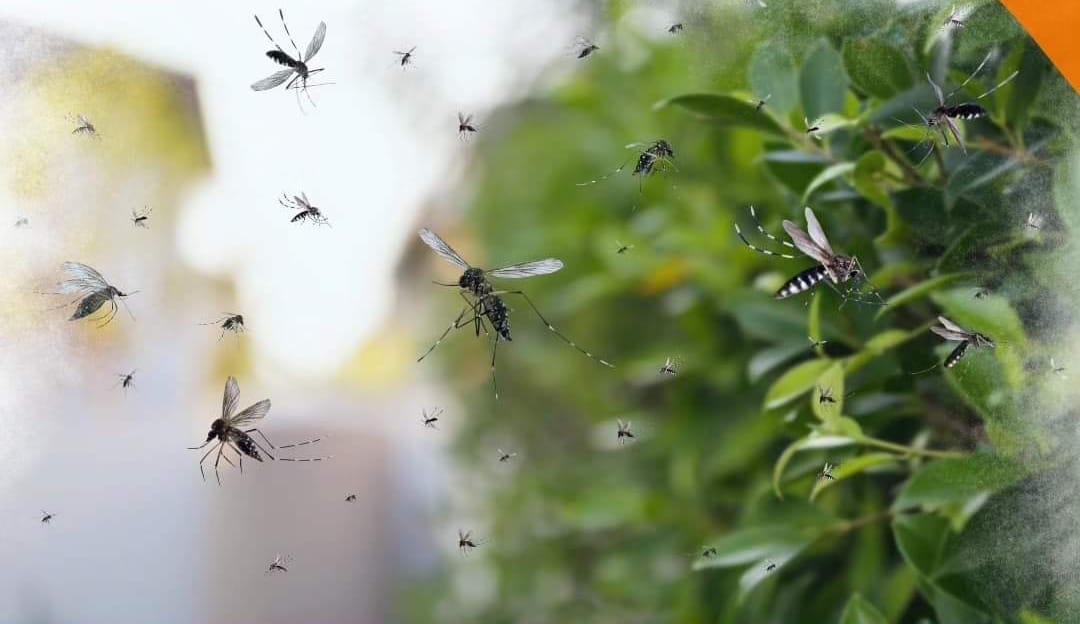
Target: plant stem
x=910, y=450
x=873, y=135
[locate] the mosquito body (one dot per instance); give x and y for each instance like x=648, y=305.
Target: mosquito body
x=657, y=153
x=951, y=331
x=351, y=498
x=622, y=248
x=465, y=126
x=297, y=72
x=484, y=303
x=954, y=21
x=1034, y=221
x=670, y=367
x=505, y=456
x=708, y=552
x=429, y=420
x=834, y=269
x=307, y=211
x=229, y=323
x=405, y=57
x=93, y=292
x=812, y=128
x=83, y=126
x=624, y=433
x=825, y=395
x=466, y=542
x=22, y=222
x=1058, y=370
x=585, y=47
x=233, y=431
x=675, y=29
x=770, y=565
x=760, y=104
x=46, y=517
x=826, y=472
x=982, y=293
x=140, y=218
x=815, y=344
x=127, y=380
x=278, y=564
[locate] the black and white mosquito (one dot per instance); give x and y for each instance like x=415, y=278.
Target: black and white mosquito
x=967, y=338
x=307, y=210
x=826, y=472
x=656, y=155
x=621, y=248
x=140, y=218
x=505, y=456
x=278, y=564
x=465, y=126
x=46, y=517
x=708, y=552
x=670, y=367
x=944, y=116
x=466, y=542
x=675, y=29
x=760, y=104
x=483, y=302
x=230, y=322
x=351, y=498
x=623, y=434
x=834, y=269
x=232, y=431
x=83, y=126
x=429, y=420
x=127, y=380
x=22, y=222
x=405, y=57
x=93, y=293
x=584, y=47
x=1034, y=221
x=297, y=66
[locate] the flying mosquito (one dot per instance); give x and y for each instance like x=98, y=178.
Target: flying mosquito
x=943, y=117
x=812, y=128
x=298, y=65
x=585, y=47
x=22, y=222
x=429, y=420
x=770, y=565
x=1058, y=370
x=465, y=126
x=982, y=293
x=657, y=153
x=670, y=367
x=127, y=380
x=622, y=248
x=708, y=552
x=232, y=430
x=951, y=331
x=231, y=322
x=675, y=29
x=140, y=218
x=466, y=543
x=351, y=498
x=825, y=395
x=624, y=432
x=505, y=456
x=278, y=564
x=84, y=126
x=46, y=517
x=814, y=344
x=835, y=268
x=93, y=291
x=1035, y=221
x=308, y=211
x=406, y=57
x=826, y=472
x=484, y=302
x=954, y=20
x=760, y=104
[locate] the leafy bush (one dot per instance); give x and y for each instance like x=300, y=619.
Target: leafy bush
x=952, y=495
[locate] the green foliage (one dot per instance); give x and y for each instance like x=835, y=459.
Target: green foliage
x=930, y=464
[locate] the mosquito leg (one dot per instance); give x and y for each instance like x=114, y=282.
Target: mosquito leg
x=239, y=455
x=552, y=327
x=494, y=382
x=203, y=460
x=455, y=325
x=267, y=440
x=738, y=232
x=765, y=233
x=605, y=177
x=282, y=15
x=301, y=443
x=259, y=22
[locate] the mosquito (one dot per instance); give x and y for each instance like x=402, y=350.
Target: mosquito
x=624, y=432
x=670, y=367
x=127, y=380
x=837, y=269
x=770, y=565
x=466, y=542
x=967, y=338
x=1035, y=221
x=140, y=218
x=954, y=20
x=826, y=472
x=308, y=211
x=429, y=420
x=760, y=104
x=675, y=29
x=298, y=65
x=484, y=301
x=278, y=564
x=658, y=152
x=93, y=291
x=230, y=322
x=46, y=517
x=709, y=552
x=982, y=293
x=465, y=126
x=233, y=431
x=406, y=57
x=812, y=128
x=944, y=116
x=825, y=395
x=505, y=456
x=351, y=498
x=814, y=344
x=84, y=126
x=22, y=222
x=622, y=248
x=1058, y=370
x=585, y=47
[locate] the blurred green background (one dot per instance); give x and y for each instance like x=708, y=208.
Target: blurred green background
x=955, y=495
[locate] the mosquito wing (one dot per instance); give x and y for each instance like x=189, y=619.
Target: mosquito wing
x=949, y=330
x=431, y=239
x=816, y=233
x=528, y=269
x=231, y=397
x=251, y=413
x=84, y=279
x=316, y=42
x=806, y=244
x=272, y=80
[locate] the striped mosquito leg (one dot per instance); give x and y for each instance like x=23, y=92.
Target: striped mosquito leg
x=281, y=13
x=753, y=215
x=746, y=242
x=301, y=443
x=457, y=324
x=803, y=282
x=494, y=382
x=259, y=22
x=552, y=327
x=305, y=459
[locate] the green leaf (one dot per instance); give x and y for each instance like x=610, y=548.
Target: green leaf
x=876, y=68
x=920, y=290
x=795, y=382
x=1020, y=94
x=976, y=171
x=755, y=545
x=859, y=611
x=822, y=81
x=814, y=440
x=865, y=179
x=877, y=346
x=830, y=173
x=726, y=110
x=921, y=540
x=773, y=73
x=950, y=481
x=794, y=168
x=832, y=380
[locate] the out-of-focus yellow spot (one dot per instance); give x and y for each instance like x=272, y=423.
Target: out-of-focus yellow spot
x=665, y=277
x=382, y=361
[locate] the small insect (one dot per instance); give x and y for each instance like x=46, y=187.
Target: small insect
x=485, y=302
x=622, y=248
x=670, y=367
x=943, y=117
x=708, y=552
x=982, y=293
x=22, y=222
x=140, y=218
x=278, y=564
x=814, y=344
x=298, y=65
x=1058, y=370
x=658, y=152
x=46, y=517
x=84, y=126
x=465, y=126
x=826, y=472
x=231, y=322
x=951, y=331
x=760, y=104
x=825, y=395
x=770, y=565
x=308, y=211
x=675, y=29
x=93, y=291
x=466, y=543
x=624, y=432
x=229, y=431
x=812, y=128
x=406, y=57
x=835, y=269
x=429, y=420
x=954, y=20
x=351, y=498
x=585, y=47
x=505, y=456
x=127, y=380
x=1035, y=221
